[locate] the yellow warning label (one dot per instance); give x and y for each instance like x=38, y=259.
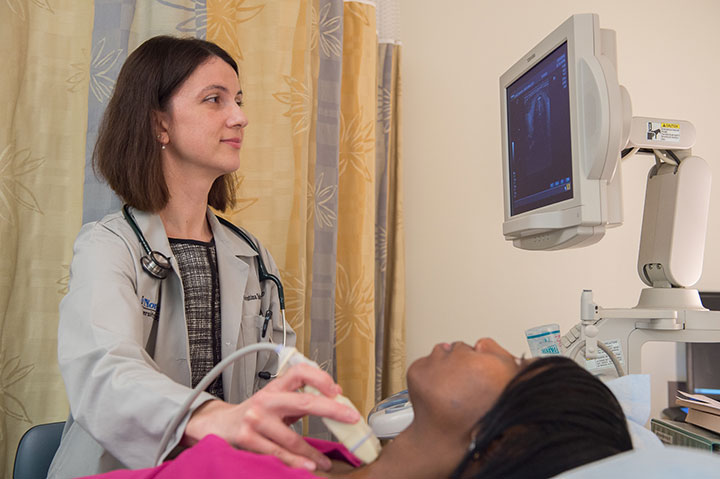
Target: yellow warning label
x=664, y=131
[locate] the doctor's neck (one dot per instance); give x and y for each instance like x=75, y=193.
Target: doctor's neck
x=184, y=217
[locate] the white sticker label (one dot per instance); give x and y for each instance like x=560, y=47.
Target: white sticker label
x=603, y=361
x=664, y=436
x=663, y=131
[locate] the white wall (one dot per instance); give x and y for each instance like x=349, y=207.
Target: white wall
x=464, y=280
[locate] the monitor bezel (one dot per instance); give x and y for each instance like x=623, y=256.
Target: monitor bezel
x=588, y=206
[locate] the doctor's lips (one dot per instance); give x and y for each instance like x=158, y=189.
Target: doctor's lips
x=234, y=142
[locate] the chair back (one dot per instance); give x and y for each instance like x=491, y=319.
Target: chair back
x=36, y=450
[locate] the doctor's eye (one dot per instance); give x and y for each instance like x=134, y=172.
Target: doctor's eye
x=212, y=98
x=239, y=102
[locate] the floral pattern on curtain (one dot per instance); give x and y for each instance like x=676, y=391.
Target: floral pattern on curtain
x=47, y=65
x=320, y=177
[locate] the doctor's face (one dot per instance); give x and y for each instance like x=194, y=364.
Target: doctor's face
x=202, y=129
x=457, y=383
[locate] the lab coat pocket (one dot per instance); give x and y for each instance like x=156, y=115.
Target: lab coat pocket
x=253, y=325
x=259, y=328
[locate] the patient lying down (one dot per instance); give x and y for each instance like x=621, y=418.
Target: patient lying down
x=479, y=413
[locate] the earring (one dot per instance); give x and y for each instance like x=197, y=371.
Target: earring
x=162, y=147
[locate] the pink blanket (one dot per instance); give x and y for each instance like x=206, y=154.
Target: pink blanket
x=213, y=457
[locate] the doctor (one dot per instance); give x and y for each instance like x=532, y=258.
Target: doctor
x=130, y=343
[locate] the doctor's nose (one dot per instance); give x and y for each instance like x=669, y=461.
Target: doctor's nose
x=238, y=118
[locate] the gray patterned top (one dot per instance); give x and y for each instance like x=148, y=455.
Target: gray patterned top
x=197, y=261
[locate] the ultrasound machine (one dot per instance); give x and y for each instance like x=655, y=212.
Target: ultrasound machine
x=567, y=125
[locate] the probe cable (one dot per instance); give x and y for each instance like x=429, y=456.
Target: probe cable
x=611, y=355
x=203, y=384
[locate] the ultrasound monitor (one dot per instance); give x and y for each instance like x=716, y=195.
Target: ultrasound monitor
x=703, y=359
x=540, y=155
x=562, y=128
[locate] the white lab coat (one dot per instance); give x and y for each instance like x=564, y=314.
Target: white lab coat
x=121, y=399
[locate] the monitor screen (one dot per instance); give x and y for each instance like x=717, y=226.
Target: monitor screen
x=703, y=372
x=539, y=149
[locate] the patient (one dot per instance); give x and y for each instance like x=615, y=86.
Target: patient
x=479, y=413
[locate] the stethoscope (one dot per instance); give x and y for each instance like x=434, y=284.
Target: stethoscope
x=157, y=265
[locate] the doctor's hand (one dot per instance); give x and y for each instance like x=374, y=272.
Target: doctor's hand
x=261, y=423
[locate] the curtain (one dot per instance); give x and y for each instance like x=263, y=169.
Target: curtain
x=320, y=181
x=389, y=233
x=46, y=64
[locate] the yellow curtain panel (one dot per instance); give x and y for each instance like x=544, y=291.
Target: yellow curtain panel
x=355, y=290
x=44, y=78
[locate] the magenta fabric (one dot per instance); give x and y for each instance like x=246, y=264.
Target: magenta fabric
x=213, y=457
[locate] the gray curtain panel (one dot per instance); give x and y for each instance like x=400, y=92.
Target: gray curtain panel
x=322, y=304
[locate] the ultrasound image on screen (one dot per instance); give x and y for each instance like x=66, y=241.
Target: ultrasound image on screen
x=540, y=154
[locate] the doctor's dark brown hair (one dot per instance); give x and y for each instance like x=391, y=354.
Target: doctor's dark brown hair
x=127, y=153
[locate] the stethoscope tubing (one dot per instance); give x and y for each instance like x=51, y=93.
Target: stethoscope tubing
x=263, y=275
x=158, y=265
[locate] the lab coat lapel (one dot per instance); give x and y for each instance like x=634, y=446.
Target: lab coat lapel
x=172, y=351
x=233, y=272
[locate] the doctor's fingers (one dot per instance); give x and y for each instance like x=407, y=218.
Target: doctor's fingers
x=298, y=404
x=304, y=374
x=269, y=435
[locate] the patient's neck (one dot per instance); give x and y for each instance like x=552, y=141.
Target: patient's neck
x=419, y=452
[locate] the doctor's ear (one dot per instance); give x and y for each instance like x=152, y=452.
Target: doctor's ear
x=160, y=127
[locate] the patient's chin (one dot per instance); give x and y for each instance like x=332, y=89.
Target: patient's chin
x=414, y=371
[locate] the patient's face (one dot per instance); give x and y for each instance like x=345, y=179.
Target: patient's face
x=457, y=383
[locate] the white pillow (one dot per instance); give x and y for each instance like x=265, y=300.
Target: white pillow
x=633, y=393
x=659, y=463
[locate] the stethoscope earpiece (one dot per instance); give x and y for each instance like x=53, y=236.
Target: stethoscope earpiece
x=156, y=264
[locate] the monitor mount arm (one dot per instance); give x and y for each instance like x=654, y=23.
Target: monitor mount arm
x=670, y=258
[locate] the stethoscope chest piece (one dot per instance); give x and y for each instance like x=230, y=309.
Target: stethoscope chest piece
x=153, y=263
x=156, y=264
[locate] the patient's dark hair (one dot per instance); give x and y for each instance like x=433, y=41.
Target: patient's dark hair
x=552, y=417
